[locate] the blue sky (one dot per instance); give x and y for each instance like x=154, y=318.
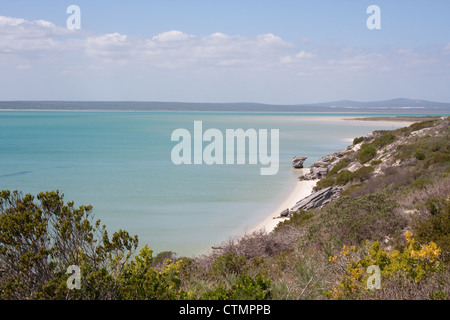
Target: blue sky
x=224, y=51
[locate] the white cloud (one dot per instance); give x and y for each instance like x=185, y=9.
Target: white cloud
x=272, y=41
x=109, y=46
x=304, y=55
x=219, y=36
x=30, y=38
x=297, y=58
x=174, y=49
x=173, y=35
x=177, y=49
x=6, y=22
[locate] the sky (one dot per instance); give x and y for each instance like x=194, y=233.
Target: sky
x=279, y=52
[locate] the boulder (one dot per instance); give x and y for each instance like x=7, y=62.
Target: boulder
x=284, y=213
x=297, y=162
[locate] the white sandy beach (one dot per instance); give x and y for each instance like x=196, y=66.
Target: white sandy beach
x=301, y=190
x=394, y=123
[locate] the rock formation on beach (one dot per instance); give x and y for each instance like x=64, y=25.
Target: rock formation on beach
x=297, y=162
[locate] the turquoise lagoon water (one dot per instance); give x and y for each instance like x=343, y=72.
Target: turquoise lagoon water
x=120, y=162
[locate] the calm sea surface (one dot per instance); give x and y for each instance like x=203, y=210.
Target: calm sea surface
x=120, y=162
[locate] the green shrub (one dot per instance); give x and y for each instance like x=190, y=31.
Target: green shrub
x=229, y=263
x=421, y=183
x=421, y=125
x=419, y=155
x=340, y=165
x=324, y=183
x=384, y=140
x=298, y=218
x=244, y=288
x=438, y=295
x=437, y=158
x=362, y=174
x=40, y=239
x=162, y=257
x=351, y=220
x=366, y=153
x=437, y=227
x=358, y=140
x=141, y=281
x=343, y=177
x=375, y=162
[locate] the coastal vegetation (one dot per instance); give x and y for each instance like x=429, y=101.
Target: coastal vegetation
x=393, y=213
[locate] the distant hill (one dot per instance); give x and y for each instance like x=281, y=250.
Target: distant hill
x=394, y=105
x=400, y=103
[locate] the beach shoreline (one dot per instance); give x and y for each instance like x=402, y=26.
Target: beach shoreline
x=304, y=188
x=301, y=190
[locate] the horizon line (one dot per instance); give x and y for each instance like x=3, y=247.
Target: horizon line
x=241, y=102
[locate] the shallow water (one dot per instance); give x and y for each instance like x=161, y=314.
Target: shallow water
x=120, y=162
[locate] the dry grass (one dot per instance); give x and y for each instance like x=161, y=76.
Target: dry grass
x=416, y=199
x=262, y=244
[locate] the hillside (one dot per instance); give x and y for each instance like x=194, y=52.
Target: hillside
x=393, y=212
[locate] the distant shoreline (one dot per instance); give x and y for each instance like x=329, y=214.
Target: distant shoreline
x=394, y=106
x=397, y=118
x=392, y=117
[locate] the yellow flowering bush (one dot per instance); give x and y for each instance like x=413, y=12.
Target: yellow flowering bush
x=429, y=252
x=415, y=262
x=144, y=282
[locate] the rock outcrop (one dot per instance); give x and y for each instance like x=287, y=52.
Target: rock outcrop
x=320, y=168
x=297, y=162
x=317, y=199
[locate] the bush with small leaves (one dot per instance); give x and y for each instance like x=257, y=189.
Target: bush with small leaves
x=366, y=153
x=39, y=241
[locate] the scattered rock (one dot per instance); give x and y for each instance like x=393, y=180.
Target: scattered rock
x=284, y=213
x=320, y=164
